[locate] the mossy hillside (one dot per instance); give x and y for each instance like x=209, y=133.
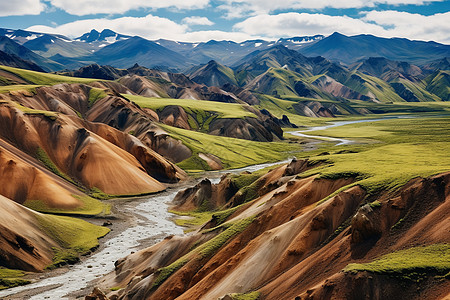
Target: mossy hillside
x=89, y=207
x=281, y=83
x=223, y=110
x=247, y=296
x=203, y=251
x=18, y=87
x=406, y=149
x=279, y=107
x=39, y=78
x=363, y=83
x=408, y=263
x=166, y=272
x=42, y=156
x=438, y=83
x=192, y=219
x=418, y=89
x=30, y=111
x=198, y=217
x=233, y=153
x=10, y=278
x=75, y=236
x=5, y=81
x=245, y=183
x=96, y=94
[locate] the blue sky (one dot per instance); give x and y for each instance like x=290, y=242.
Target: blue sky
x=201, y=20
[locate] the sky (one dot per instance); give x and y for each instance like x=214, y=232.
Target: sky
x=237, y=20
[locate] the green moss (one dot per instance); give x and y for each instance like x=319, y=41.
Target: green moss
x=18, y=87
x=211, y=246
x=164, y=273
x=63, y=257
x=194, y=218
x=116, y=288
x=49, y=164
x=10, y=278
x=375, y=204
x=97, y=193
x=89, y=207
x=202, y=251
x=221, y=216
x=410, y=262
x=95, y=94
x=75, y=237
x=248, y=296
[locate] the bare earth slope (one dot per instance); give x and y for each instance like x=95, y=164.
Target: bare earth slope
x=287, y=244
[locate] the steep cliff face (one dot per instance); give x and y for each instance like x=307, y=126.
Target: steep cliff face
x=285, y=243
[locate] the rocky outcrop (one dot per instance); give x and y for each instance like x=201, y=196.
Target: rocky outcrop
x=365, y=225
x=96, y=294
x=174, y=116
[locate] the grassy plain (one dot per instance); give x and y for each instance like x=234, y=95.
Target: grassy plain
x=234, y=153
x=38, y=78
x=223, y=110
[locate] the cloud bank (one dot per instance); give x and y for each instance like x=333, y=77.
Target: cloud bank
x=381, y=23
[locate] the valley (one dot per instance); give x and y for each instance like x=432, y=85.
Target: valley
x=299, y=168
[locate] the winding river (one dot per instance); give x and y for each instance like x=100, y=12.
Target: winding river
x=151, y=222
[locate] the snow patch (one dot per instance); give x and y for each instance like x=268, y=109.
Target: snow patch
x=52, y=41
x=111, y=39
x=102, y=45
x=33, y=36
x=258, y=44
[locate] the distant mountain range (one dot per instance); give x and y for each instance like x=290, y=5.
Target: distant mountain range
x=54, y=52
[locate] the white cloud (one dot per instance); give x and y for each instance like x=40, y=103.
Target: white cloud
x=148, y=27
x=413, y=26
x=298, y=24
x=197, y=21
x=20, y=8
x=242, y=8
x=90, y=7
x=380, y=23
x=265, y=26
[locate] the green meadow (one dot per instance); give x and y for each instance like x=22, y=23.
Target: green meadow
x=38, y=78
x=234, y=153
x=390, y=154
x=223, y=110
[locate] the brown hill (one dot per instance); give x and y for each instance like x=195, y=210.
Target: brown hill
x=286, y=246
